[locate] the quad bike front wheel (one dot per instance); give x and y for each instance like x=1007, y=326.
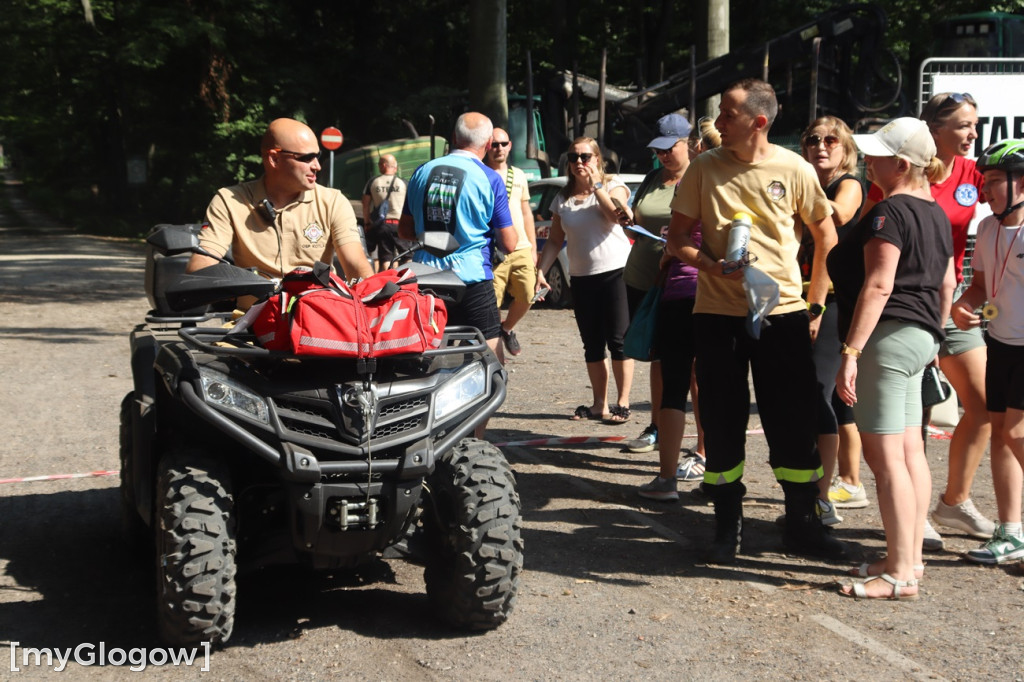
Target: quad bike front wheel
x=473, y=530
x=132, y=527
x=195, y=540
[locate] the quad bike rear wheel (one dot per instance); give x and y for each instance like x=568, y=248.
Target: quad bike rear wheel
x=473, y=530
x=195, y=540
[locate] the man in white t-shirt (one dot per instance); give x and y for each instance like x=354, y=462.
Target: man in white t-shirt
x=382, y=235
x=517, y=273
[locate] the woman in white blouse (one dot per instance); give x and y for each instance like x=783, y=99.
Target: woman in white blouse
x=585, y=215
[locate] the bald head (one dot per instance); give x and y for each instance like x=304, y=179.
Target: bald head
x=473, y=132
x=290, y=159
x=388, y=164
x=287, y=133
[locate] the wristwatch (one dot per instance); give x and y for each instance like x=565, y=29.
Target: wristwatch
x=850, y=350
x=598, y=185
x=816, y=309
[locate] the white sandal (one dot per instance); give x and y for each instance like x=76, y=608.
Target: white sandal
x=859, y=591
x=862, y=570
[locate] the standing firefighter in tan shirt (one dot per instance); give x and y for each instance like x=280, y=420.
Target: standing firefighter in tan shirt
x=772, y=185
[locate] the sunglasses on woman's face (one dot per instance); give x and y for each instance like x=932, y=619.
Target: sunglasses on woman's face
x=959, y=98
x=574, y=157
x=829, y=140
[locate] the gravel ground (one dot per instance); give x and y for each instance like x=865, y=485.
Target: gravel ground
x=613, y=586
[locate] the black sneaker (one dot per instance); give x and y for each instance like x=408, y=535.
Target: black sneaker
x=809, y=537
x=511, y=342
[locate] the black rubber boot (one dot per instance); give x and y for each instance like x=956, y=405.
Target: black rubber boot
x=728, y=501
x=805, y=533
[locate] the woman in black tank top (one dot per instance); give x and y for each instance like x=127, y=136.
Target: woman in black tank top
x=828, y=146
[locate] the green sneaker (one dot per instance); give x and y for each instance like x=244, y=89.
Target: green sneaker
x=998, y=549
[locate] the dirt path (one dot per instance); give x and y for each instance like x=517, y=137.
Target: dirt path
x=613, y=586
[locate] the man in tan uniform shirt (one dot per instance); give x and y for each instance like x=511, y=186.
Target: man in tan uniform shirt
x=748, y=174
x=284, y=219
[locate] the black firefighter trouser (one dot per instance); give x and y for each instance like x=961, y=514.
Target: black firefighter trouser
x=785, y=386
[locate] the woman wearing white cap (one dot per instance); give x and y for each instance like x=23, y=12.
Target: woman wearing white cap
x=893, y=278
x=952, y=118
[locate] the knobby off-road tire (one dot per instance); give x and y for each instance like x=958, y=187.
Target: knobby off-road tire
x=473, y=529
x=195, y=549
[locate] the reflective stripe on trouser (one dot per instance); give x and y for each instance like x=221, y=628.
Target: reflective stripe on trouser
x=781, y=474
x=723, y=477
x=798, y=475
x=785, y=384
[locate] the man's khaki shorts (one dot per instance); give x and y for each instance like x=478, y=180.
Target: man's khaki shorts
x=518, y=274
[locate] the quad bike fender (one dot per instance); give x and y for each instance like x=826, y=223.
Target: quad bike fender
x=144, y=347
x=252, y=443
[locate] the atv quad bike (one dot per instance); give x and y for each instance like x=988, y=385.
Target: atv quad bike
x=235, y=457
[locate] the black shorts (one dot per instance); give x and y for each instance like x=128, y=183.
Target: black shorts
x=478, y=308
x=383, y=240
x=1004, y=376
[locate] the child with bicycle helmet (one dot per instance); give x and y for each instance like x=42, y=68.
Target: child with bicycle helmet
x=998, y=289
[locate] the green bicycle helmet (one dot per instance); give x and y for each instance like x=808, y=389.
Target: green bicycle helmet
x=1006, y=156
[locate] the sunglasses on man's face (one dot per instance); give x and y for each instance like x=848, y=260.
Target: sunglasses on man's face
x=829, y=140
x=300, y=157
x=574, y=157
x=499, y=145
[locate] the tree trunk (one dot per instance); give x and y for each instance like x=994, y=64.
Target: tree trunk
x=488, y=56
x=718, y=43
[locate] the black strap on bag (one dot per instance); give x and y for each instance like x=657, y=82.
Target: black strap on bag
x=322, y=273
x=380, y=213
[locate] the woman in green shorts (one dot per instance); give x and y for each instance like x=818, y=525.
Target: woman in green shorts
x=893, y=279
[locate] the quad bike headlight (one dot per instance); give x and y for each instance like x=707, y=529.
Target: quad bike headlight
x=221, y=391
x=468, y=385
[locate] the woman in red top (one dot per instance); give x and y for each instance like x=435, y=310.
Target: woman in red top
x=953, y=119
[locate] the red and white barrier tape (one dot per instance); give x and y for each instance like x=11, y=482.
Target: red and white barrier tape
x=59, y=477
x=579, y=440
x=575, y=440
x=933, y=432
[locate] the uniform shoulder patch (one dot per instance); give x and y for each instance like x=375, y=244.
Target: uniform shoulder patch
x=966, y=194
x=878, y=223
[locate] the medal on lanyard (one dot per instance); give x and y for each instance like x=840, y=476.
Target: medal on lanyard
x=990, y=311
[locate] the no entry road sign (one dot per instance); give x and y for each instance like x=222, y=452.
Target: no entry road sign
x=331, y=138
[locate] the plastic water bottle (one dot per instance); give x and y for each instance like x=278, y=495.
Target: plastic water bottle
x=739, y=238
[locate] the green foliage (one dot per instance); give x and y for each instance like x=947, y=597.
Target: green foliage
x=189, y=85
